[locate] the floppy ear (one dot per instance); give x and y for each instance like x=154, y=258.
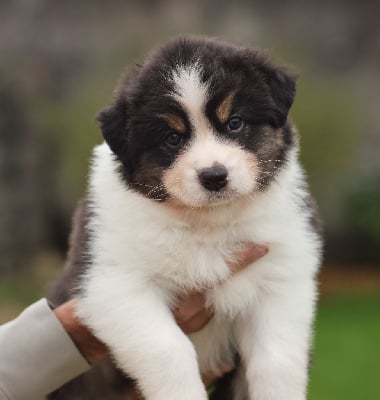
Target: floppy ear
x=113, y=124
x=283, y=87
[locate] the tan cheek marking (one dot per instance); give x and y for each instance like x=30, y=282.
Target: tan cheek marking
x=224, y=109
x=245, y=157
x=175, y=122
x=272, y=145
x=252, y=163
x=173, y=179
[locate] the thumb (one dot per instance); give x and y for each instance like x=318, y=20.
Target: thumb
x=246, y=255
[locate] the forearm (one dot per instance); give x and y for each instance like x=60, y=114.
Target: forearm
x=36, y=355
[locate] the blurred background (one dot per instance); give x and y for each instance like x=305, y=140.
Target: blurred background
x=59, y=63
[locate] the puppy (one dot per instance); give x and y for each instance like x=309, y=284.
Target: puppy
x=199, y=157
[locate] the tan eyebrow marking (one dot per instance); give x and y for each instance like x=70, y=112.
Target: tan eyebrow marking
x=224, y=109
x=175, y=122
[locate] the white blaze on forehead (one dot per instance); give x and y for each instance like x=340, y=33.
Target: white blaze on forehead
x=192, y=94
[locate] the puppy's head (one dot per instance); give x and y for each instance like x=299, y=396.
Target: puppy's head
x=201, y=123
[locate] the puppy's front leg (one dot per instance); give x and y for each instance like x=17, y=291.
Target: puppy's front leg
x=274, y=343
x=146, y=342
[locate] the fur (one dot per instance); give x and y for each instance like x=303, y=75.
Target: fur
x=199, y=157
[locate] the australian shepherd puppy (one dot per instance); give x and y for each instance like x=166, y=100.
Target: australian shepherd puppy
x=200, y=157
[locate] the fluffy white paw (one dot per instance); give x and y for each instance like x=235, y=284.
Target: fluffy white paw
x=179, y=394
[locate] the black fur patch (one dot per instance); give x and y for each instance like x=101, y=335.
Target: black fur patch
x=136, y=133
x=76, y=262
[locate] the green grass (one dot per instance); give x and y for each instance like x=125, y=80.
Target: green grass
x=20, y=291
x=346, y=360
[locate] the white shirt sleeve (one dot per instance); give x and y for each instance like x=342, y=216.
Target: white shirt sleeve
x=37, y=356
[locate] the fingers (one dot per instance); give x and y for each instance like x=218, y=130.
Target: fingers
x=188, y=306
x=198, y=321
x=210, y=378
x=190, y=312
x=246, y=255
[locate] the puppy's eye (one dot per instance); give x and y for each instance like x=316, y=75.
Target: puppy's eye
x=173, y=140
x=235, y=123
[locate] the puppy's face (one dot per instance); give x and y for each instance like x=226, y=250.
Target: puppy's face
x=201, y=123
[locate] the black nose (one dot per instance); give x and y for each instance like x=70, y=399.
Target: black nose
x=214, y=178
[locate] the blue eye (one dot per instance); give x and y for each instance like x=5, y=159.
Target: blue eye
x=235, y=123
x=173, y=140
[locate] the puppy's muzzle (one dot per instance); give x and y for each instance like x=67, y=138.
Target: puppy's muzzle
x=215, y=178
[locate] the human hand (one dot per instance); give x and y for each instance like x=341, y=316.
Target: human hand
x=190, y=312
x=91, y=348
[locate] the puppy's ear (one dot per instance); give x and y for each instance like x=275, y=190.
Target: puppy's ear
x=283, y=87
x=113, y=124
